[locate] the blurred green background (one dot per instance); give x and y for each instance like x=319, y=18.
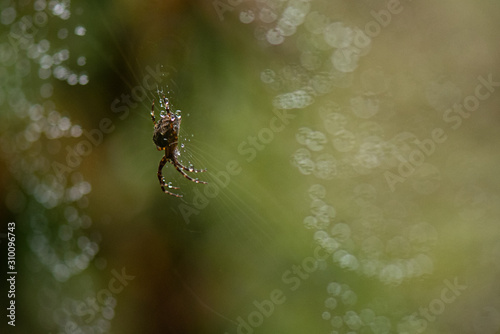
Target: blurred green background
x=352, y=156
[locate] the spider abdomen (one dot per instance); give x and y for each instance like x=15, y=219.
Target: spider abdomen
x=166, y=132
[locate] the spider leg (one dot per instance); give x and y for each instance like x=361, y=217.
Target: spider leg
x=181, y=168
x=187, y=169
x=165, y=102
x=153, y=113
x=163, y=161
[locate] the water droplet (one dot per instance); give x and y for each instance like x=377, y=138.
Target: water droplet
x=76, y=131
x=331, y=303
x=324, y=213
x=302, y=135
x=380, y=325
x=294, y=100
x=325, y=167
x=337, y=35
x=286, y=27
x=267, y=76
x=311, y=61
x=352, y=320
x=296, y=12
x=108, y=313
x=8, y=15
x=62, y=33
x=301, y=155
x=61, y=72
x=371, y=153
x=334, y=122
x=40, y=5
x=349, y=298
x=46, y=90
x=320, y=235
x=315, y=140
x=337, y=322
x=247, y=16
x=344, y=141
x=44, y=73
x=329, y=244
x=82, y=60
x=58, y=9
x=341, y=232
x=83, y=79
x=266, y=15
x=310, y=222
x=391, y=274
x=46, y=61
x=316, y=22
x=72, y=79
x=345, y=59
x=334, y=289
x=317, y=191
x=275, y=36
x=40, y=19
x=306, y=166
x=349, y=262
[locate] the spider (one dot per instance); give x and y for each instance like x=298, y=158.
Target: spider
x=165, y=137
